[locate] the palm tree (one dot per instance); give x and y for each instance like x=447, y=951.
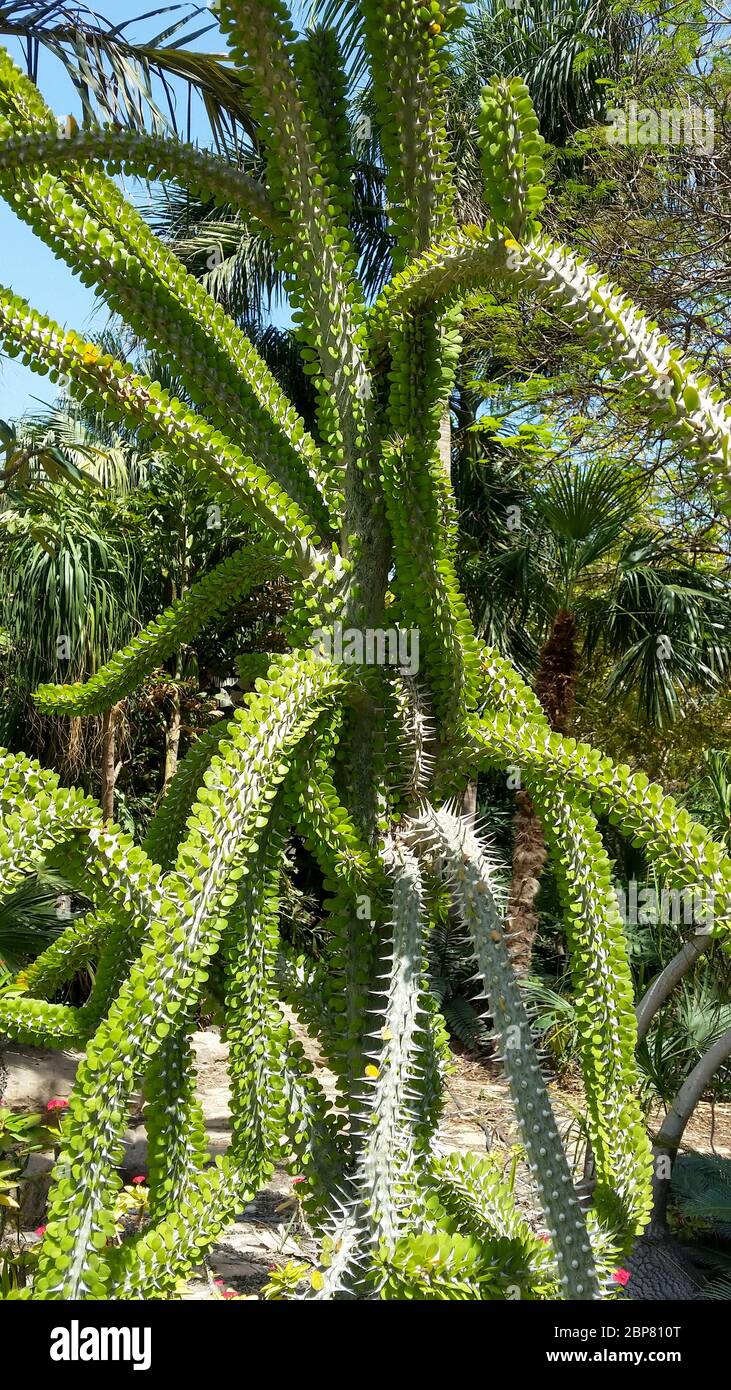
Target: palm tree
x=579, y=579
x=134, y=81
x=111, y=527
x=565, y=51
x=69, y=587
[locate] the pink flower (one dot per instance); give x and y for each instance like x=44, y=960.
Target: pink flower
x=59, y=1103
x=139, y=1179
x=40, y=1231
x=621, y=1276
x=542, y=1236
x=229, y=1293
x=296, y=1180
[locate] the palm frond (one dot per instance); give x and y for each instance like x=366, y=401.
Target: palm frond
x=716, y=1290
x=67, y=585
x=30, y=917
x=583, y=503
x=62, y=437
x=667, y=624
x=135, y=82
x=563, y=49
x=718, y=779
x=701, y=1187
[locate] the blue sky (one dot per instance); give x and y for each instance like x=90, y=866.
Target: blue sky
x=26, y=265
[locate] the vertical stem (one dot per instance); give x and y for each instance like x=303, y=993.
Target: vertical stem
x=445, y=444
x=668, y=1140
x=173, y=722
x=109, y=768
x=469, y=803
x=172, y=729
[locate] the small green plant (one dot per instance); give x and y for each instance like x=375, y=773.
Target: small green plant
x=285, y=1281
x=21, y=1135
x=17, y=1267
x=131, y=1208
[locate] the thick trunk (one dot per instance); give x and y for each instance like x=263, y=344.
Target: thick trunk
x=469, y=802
x=555, y=688
x=363, y=608
x=110, y=768
x=529, y=856
x=557, y=671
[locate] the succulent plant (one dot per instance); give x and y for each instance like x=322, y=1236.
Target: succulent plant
x=361, y=760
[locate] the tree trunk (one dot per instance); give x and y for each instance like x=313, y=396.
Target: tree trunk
x=660, y=1267
x=172, y=732
x=179, y=588
x=110, y=768
x=469, y=802
x=555, y=688
x=529, y=856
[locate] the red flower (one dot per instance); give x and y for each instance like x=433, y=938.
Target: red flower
x=140, y=1178
x=295, y=1180
x=621, y=1276
x=40, y=1230
x=229, y=1293
x=58, y=1104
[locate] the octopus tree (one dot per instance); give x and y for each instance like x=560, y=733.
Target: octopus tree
x=337, y=742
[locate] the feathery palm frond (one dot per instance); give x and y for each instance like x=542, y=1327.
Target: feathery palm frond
x=701, y=1187
x=114, y=75
x=717, y=785
x=80, y=452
